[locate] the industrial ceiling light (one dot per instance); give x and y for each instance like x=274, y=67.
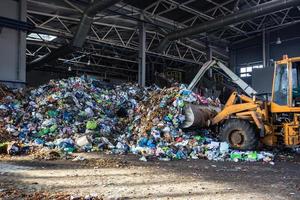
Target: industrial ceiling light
x=89, y=62
x=278, y=41
x=69, y=68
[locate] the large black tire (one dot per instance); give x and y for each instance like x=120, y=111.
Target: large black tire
x=239, y=134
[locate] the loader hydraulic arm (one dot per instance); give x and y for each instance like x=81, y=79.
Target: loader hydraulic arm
x=231, y=107
x=218, y=65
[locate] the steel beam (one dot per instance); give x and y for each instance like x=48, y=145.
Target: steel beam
x=243, y=15
x=108, y=31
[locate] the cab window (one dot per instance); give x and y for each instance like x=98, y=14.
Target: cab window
x=281, y=85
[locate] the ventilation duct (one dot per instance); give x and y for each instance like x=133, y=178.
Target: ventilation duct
x=234, y=18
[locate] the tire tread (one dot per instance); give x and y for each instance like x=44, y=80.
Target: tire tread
x=250, y=136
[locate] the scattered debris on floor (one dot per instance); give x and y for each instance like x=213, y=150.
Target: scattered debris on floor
x=47, y=154
x=105, y=163
x=13, y=193
x=83, y=115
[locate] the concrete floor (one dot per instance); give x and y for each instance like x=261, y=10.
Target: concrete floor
x=124, y=177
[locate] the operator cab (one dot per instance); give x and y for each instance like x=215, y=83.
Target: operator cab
x=286, y=82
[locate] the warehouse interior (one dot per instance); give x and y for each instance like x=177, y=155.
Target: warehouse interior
x=156, y=45
x=111, y=49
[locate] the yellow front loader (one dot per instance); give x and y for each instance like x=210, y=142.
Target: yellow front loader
x=245, y=121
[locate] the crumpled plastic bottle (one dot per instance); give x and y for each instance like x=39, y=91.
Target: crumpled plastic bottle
x=91, y=125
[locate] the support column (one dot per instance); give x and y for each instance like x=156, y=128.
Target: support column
x=208, y=52
x=13, y=45
x=142, y=54
x=209, y=56
x=268, y=49
x=264, y=48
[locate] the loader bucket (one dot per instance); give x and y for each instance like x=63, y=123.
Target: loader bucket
x=199, y=116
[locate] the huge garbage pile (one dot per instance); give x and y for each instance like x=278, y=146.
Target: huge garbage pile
x=5, y=91
x=56, y=114
x=6, y=94
x=80, y=114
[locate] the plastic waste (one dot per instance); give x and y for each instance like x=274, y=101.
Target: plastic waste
x=81, y=114
x=82, y=141
x=91, y=125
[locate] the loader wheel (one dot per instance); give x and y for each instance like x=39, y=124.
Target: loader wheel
x=239, y=134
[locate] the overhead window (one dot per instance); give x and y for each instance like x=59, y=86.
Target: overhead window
x=247, y=71
x=40, y=37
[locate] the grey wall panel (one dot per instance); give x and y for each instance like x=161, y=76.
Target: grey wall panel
x=9, y=9
x=13, y=45
x=248, y=54
x=251, y=52
x=262, y=79
x=289, y=47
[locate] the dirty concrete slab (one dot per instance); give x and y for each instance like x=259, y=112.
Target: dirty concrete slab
x=155, y=179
